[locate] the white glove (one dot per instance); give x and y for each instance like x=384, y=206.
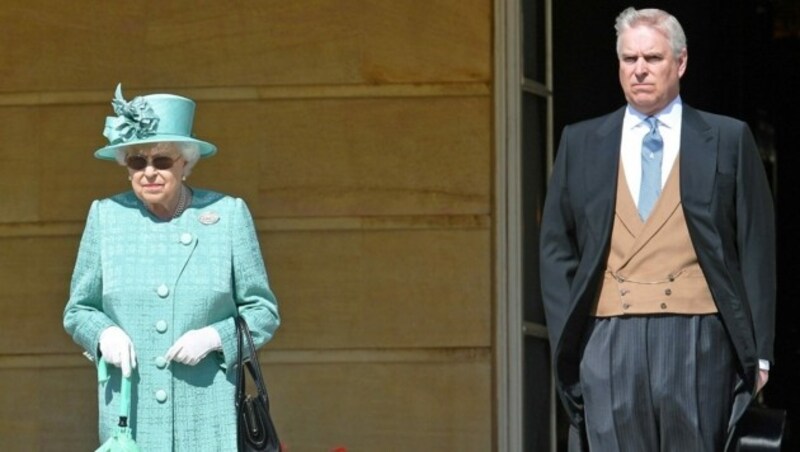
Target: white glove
x=117, y=349
x=194, y=345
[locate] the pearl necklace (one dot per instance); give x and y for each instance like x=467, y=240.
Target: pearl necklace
x=181, y=202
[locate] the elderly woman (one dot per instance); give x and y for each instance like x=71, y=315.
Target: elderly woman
x=161, y=272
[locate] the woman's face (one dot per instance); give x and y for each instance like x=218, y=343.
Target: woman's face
x=156, y=173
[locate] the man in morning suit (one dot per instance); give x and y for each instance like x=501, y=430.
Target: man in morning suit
x=657, y=261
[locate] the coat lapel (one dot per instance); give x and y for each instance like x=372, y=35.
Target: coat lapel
x=698, y=161
x=600, y=174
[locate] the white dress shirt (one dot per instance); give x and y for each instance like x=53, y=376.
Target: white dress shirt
x=634, y=128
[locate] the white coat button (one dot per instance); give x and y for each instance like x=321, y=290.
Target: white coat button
x=161, y=362
x=161, y=396
x=162, y=291
x=186, y=238
x=161, y=326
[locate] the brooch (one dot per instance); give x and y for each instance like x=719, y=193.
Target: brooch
x=208, y=218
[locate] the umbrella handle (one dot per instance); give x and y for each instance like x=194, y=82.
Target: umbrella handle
x=124, y=391
x=125, y=398
x=102, y=371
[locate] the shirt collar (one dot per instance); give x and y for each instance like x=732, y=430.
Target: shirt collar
x=670, y=116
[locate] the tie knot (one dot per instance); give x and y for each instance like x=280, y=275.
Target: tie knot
x=652, y=122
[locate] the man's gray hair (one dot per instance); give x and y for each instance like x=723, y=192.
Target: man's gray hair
x=189, y=151
x=660, y=20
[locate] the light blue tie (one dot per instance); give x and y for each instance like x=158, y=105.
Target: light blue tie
x=652, y=155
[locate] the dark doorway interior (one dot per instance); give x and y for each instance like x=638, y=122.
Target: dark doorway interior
x=744, y=61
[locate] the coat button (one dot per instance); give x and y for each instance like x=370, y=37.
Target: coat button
x=161, y=326
x=161, y=362
x=186, y=238
x=161, y=396
x=663, y=306
x=162, y=291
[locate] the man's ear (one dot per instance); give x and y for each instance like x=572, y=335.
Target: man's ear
x=683, y=59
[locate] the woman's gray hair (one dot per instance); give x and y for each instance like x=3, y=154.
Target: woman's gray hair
x=189, y=151
x=660, y=20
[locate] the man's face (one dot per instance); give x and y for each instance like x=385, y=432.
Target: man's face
x=648, y=70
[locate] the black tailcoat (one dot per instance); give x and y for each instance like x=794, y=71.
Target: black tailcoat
x=728, y=208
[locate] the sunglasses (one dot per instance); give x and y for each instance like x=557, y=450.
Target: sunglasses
x=159, y=162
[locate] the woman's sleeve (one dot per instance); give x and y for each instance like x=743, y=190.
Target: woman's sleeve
x=252, y=294
x=84, y=318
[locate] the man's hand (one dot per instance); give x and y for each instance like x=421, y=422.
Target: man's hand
x=763, y=377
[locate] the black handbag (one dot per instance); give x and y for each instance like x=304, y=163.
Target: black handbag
x=760, y=429
x=255, y=429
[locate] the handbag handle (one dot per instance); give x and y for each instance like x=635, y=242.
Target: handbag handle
x=245, y=339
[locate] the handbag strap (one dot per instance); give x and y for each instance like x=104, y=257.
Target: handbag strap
x=246, y=348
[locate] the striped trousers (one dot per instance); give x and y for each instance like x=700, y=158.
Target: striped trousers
x=662, y=383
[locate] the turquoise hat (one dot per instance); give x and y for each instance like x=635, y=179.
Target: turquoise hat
x=153, y=118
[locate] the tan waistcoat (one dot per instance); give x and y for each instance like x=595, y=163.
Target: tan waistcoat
x=652, y=267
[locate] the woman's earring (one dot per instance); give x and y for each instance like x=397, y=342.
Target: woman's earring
x=130, y=178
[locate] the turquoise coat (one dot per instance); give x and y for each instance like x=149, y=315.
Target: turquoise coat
x=157, y=280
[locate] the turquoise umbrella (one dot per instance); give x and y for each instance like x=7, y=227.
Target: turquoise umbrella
x=121, y=441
